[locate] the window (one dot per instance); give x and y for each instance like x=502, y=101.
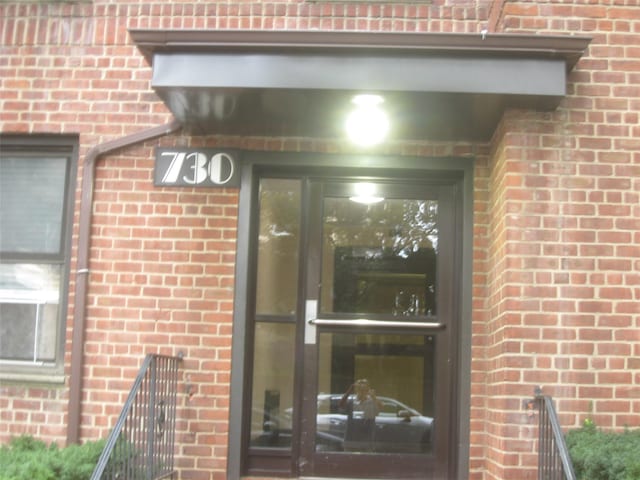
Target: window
x=37, y=179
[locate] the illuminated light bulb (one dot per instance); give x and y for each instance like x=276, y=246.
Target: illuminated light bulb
x=367, y=125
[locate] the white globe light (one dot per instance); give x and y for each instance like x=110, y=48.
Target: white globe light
x=367, y=124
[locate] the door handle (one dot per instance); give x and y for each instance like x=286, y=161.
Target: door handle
x=364, y=322
x=310, y=312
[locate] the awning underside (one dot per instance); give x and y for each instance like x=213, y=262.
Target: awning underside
x=441, y=87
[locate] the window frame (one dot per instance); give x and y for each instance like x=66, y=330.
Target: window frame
x=34, y=146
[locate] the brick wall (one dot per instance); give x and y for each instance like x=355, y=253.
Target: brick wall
x=556, y=262
x=564, y=262
x=162, y=264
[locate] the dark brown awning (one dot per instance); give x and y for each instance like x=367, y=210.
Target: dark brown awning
x=299, y=83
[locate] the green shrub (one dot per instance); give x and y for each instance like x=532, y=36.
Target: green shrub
x=599, y=455
x=26, y=458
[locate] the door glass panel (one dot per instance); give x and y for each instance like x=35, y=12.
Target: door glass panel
x=376, y=393
x=276, y=299
x=271, y=406
x=379, y=258
x=278, y=243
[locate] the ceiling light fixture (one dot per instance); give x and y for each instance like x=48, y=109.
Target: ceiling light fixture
x=367, y=125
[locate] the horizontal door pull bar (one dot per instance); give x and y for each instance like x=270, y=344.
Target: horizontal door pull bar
x=363, y=322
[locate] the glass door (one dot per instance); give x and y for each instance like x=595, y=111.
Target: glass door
x=353, y=330
x=378, y=320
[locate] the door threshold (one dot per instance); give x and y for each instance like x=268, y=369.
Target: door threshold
x=334, y=478
x=337, y=478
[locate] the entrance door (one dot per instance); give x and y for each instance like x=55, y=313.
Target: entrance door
x=372, y=391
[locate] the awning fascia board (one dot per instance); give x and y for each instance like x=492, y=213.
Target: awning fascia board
x=380, y=73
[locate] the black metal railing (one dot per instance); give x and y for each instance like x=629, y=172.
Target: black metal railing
x=554, y=462
x=141, y=444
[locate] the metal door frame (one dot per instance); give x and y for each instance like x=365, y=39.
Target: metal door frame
x=457, y=171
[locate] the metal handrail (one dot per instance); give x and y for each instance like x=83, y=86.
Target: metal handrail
x=141, y=444
x=554, y=461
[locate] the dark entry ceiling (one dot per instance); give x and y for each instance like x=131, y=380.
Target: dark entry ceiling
x=292, y=83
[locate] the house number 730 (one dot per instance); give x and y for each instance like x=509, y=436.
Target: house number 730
x=197, y=168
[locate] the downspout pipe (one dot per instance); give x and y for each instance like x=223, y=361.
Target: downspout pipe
x=82, y=274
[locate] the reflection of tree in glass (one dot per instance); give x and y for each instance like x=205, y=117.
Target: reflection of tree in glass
x=419, y=220
x=279, y=215
x=373, y=245
x=404, y=226
x=278, y=238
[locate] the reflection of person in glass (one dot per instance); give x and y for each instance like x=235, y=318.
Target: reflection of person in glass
x=362, y=409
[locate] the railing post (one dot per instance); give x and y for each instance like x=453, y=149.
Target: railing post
x=151, y=419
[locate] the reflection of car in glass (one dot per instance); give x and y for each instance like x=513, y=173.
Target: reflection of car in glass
x=398, y=427
x=274, y=431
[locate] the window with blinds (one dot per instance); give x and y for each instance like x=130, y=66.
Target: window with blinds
x=37, y=175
